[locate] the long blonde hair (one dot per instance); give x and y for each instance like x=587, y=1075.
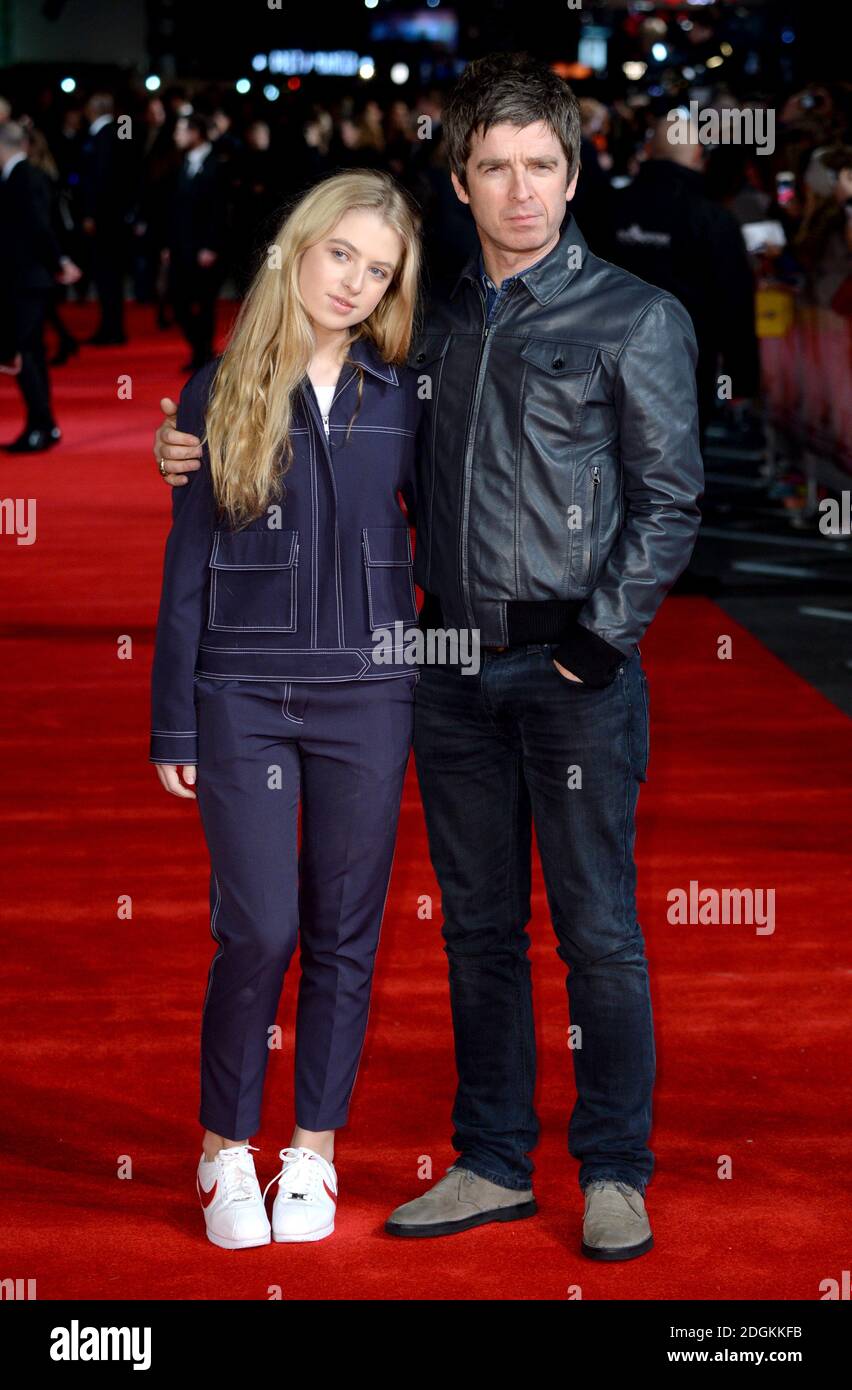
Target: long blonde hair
x=251, y=402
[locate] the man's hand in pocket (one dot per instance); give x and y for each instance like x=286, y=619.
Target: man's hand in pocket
x=569, y=675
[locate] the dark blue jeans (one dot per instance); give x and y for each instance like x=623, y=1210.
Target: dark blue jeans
x=513, y=745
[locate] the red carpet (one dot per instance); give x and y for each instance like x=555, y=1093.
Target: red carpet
x=749, y=787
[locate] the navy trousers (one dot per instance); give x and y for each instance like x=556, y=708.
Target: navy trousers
x=513, y=746
x=343, y=747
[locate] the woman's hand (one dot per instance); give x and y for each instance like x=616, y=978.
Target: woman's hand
x=169, y=775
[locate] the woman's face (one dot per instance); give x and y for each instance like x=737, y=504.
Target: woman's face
x=343, y=277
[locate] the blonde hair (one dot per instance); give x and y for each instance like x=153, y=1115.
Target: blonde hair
x=252, y=396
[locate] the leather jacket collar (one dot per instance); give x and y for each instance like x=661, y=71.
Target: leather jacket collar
x=547, y=277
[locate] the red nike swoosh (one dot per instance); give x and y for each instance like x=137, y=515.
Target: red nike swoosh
x=206, y=1197
x=331, y=1194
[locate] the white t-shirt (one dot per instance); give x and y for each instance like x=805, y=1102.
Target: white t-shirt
x=324, y=395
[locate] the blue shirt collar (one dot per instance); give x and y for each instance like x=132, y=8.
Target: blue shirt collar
x=483, y=274
x=547, y=276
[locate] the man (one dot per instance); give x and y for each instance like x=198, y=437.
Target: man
x=109, y=175
x=558, y=485
x=449, y=232
x=668, y=232
x=31, y=264
x=257, y=191
x=196, y=231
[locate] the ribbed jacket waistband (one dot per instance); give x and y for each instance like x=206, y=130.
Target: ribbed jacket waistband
x=537, y=620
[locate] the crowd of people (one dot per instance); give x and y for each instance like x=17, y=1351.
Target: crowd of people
x=174, y=200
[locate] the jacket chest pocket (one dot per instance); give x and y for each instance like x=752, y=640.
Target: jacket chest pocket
x=556, y=378
x=388, y=567
x=253, y=578
x=426, y=359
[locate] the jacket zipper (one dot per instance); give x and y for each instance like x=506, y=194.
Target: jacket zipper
x=313, y=406
x=473, y=411
x=596, y=484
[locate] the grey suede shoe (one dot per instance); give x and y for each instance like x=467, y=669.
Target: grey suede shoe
x=458, y=1201
x=615, y=1223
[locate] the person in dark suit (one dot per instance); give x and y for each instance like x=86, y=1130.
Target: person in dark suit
x=31, y=264
x=158, y=163
x=669, y=233
x=108, y=180
x=449, y=231
x=258, y=192
x=195, y=239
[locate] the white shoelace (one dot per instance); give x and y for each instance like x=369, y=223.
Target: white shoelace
x=239, y=1180
x=303, y=1175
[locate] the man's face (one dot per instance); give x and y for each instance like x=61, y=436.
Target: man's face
x=185, y=137
x=517, y=186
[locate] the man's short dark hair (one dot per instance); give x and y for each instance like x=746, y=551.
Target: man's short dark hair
x=514, y=89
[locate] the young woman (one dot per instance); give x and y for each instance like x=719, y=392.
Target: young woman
x=288, y=558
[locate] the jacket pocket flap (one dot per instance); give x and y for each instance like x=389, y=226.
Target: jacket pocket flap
x=559, y=359
x=254, y=550
x=428, y=348
x=387, y=545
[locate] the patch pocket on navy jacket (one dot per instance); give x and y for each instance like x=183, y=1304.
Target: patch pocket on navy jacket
x=253, y=581
x=389, y=569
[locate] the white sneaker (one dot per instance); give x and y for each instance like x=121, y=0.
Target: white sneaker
x=306, y=1200
x=230, y=1195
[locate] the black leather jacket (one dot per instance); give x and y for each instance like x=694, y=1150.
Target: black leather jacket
x=559, y=469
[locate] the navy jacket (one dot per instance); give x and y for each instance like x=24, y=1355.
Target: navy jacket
x=298, y=594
